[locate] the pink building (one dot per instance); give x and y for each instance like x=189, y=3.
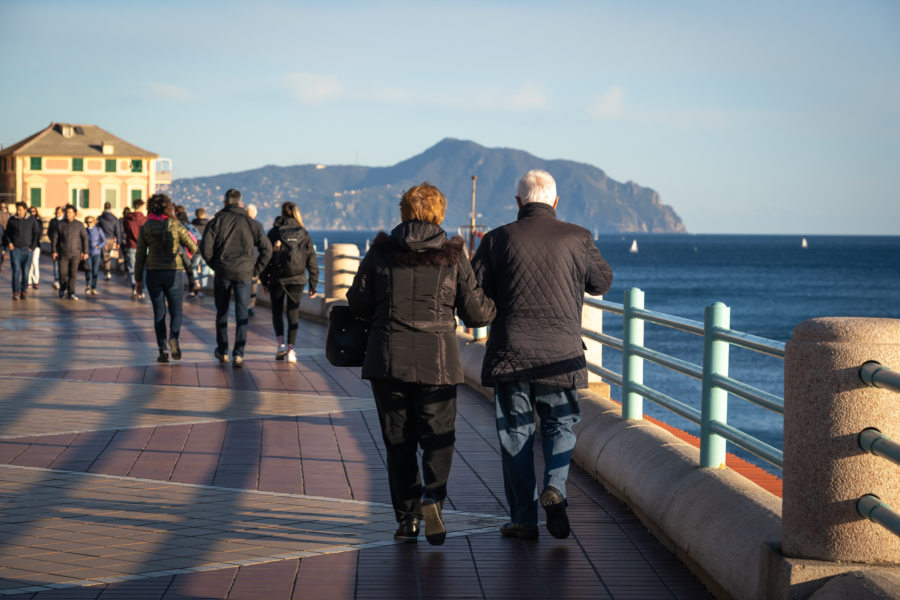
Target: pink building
x=82, y=165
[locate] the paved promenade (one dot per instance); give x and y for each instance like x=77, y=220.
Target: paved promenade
x=124, y=478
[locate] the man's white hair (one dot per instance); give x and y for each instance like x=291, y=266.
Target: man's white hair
x=251, y=211
x=537, y=186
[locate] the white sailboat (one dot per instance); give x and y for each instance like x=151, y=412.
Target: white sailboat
x=803, y=243
x=634, y=247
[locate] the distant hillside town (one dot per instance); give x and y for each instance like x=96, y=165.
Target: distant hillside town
x=365, y=198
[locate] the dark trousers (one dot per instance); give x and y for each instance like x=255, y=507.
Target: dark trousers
x=165, y=286
x=68, y=272
x=222, y=288
x=414, y=415
x=280, y=296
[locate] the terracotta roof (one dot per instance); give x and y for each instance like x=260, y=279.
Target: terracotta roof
x=82, y=140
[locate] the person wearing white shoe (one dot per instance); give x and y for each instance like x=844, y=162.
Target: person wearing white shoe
x=293, y=257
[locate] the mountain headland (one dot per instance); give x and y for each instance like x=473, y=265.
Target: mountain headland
x=366, y=198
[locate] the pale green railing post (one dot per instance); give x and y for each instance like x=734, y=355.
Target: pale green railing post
x=714, y=406
x=632, y=365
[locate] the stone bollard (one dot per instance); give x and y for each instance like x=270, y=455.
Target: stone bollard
x=825, y=471
x=592, y=320
x=341, y=264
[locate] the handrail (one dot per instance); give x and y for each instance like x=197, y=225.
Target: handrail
x=718, y=336
x=874, y=442
x=874, y=374
x=871, y=507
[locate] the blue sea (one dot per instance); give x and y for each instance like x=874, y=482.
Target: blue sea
x=771, y=284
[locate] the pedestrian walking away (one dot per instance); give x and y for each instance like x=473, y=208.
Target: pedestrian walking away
x=228, y=246
x=293, y=257
x=96, y=245
x=131, y=227
x=20, y=237
x=186, y=255
x=411, y=285
x=197, y=263
x=112, y=229
x=4, y=218
x=158, y=263
x=70, y=246
x=537, y=269
x=254, y=283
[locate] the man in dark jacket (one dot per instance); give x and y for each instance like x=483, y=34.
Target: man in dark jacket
x=109, y=223
x=131, y=227
x=70, y=245
x=537, y=270
x=60, y=215
x=22, y=235
x=227, y=246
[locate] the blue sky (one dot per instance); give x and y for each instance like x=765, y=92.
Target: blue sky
x=760, y=117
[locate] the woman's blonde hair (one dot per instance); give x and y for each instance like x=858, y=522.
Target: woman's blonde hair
x=423, y=202
x=289, y=210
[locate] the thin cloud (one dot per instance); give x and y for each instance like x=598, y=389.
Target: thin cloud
x=313, y=88
x=170, y=92
x=610, y=105
x=529, y=97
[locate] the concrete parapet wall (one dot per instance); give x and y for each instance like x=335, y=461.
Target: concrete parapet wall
x=714, y=520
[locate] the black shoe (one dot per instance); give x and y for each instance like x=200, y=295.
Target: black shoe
x=557, y=522
x=238, y=361
x=523, y=532
x=221, y=356
x=175, y=348
x=435, y=532
x=163, y=357
x=408, y=530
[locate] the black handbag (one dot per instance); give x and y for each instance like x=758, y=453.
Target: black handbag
x=345, y=345
x=83, y=265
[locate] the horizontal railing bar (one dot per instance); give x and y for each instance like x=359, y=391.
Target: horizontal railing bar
x=750, y=342
x=613, y=307
x=749, y=443
x=686, y=325
x=606, y=340
x=614, y=377
x=750, y=393
x=679, y=408
x=675, y=364
x=871, y=507
x=874, y=374
x=873, y=441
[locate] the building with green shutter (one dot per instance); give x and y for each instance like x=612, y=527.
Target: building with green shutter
x=82, y=165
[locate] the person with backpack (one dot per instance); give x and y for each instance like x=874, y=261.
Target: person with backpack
x=283, y=279
x=158, y=243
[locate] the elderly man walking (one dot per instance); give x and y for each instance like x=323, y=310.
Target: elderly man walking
x=227, y=246
x=537, y=270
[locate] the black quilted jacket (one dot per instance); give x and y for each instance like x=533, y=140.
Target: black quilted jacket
x=537, y=270
x=409, y=285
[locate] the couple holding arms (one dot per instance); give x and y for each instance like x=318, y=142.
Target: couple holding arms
x=527, y=279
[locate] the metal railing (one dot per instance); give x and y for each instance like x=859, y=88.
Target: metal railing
x=715, y=431
x=870, y=506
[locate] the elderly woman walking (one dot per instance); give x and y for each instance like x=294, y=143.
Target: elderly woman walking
x=158, y=244
x=411, y=285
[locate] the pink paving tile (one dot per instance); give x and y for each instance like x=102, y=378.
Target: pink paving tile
x=44, y=451
x=184, y=374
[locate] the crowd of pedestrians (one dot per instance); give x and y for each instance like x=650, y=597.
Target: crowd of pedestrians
x=527, y=280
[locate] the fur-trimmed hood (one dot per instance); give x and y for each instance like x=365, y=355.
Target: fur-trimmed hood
x=417, y=243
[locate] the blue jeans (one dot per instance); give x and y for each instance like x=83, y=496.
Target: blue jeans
x=130, y=257
x=198, y=262
x=20, y=261
x=222, y=289
x=516, y=403
x=90, y=278
x=165, y=286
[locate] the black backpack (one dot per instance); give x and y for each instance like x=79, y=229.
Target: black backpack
x=290, y=259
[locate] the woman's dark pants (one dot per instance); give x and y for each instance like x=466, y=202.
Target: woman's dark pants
x=165, y=286
x=414, y=415
x=279, y=295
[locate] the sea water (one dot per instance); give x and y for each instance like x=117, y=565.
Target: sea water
x=770, y=283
